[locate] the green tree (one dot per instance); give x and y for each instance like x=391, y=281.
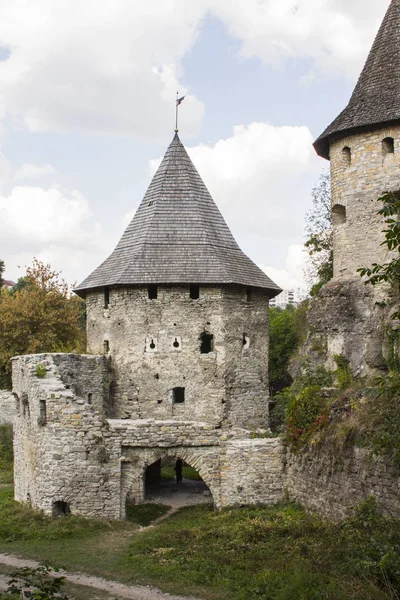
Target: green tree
x=319, y=233
x=2, y=269
x=388, y=272
x=284, y=338
x=43, y=316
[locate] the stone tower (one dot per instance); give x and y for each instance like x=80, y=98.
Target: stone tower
x=177, y=319
x=181, y=311
x=363, y=146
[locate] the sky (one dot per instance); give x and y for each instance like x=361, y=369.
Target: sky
x=87, y=108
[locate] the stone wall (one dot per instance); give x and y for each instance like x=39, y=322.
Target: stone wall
x=154, y=346
x=7, y=407
x=68, y=453
x=330, y=484
x=355, y=188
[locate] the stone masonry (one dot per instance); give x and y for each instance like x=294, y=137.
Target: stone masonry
x=66, y=451
x=7, y=407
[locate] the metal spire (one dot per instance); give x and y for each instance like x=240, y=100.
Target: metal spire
x=178, y=102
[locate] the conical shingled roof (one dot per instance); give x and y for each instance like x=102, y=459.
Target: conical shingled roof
x=177, y=235
x=376, y=97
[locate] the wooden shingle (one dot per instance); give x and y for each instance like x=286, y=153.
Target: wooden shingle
x=376, y=97
x=177, y=235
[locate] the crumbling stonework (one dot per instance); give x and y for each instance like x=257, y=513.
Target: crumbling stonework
x=331, y=484
x=7, y=407
x=68, y=453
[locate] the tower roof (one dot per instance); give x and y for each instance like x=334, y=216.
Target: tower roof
x=376, y=97
x=177, y=235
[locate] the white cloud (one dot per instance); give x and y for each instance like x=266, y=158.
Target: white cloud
x=97, y=65
x=101, y=66
x=335, y=35
x=260, y=177
x=291, y=277
x=52, y=224
x=30, y=171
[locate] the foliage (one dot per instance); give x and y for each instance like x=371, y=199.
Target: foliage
x=6, y=453
x=42, y=317
x=40, y=371
x=319, y=233
x=263, y=553
x=2, y=268
x=306, y=413
x=388, y=272
x=379, y=418
x=38, y=583
x=283, y=341
x=343, y=373
x=144, y=514
x=374, y=544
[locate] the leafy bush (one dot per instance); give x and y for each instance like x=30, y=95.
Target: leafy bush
x=38, y=583
x=306, y=413
x=343, y=373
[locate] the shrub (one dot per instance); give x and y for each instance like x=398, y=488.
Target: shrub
x=306, y=413
x=40, y=371
x=343, y=372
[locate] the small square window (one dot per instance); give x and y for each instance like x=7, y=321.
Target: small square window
x=206, y=343
x=178, y=395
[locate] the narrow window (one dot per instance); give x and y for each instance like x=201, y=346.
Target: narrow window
x=249, y=294
x=195, y=292
x=388, y=146
x=206, y=343
x=106, y=346
x=338, y=215
x=42, y=420
x=346, y=156
x=90, y=397
x=245, y=341
x=152, y=345
x=106, y=297
x=152, y=291
x=178, y=395
x=176, y=343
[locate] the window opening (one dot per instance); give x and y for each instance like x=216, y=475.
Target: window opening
x=178, y=395
x=245, y=341
x=106, y=297
x=388, y=146
x=338, y=215
x=249, y=294
x=106, y=346
x=346, y=155
x=206, y=343
x=152, y=291
x=152, y=344
x=42, y=420
x=195, y=292
x=90, y=397
x=176, y=343
x=60, y=508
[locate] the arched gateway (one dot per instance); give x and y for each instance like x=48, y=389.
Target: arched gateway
x=178, y=317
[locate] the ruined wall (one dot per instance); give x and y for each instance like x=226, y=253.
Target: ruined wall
x=155, y=347
x=7, y=407
x=330, y=484
x=356, y=185
x=66, y=451
x=344, y=319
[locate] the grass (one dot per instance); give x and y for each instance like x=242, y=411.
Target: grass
x=145, y=514
x=188, y=472
x=257, y=553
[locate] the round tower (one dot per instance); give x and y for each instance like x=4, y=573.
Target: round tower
x=363, y=146
x=181, y=310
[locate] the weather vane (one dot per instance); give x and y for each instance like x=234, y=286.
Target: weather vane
x=178, y=102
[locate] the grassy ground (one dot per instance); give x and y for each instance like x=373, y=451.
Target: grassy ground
x=188, y=472
x=268, y=553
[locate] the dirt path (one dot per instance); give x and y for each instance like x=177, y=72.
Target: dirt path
x=117, y=590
